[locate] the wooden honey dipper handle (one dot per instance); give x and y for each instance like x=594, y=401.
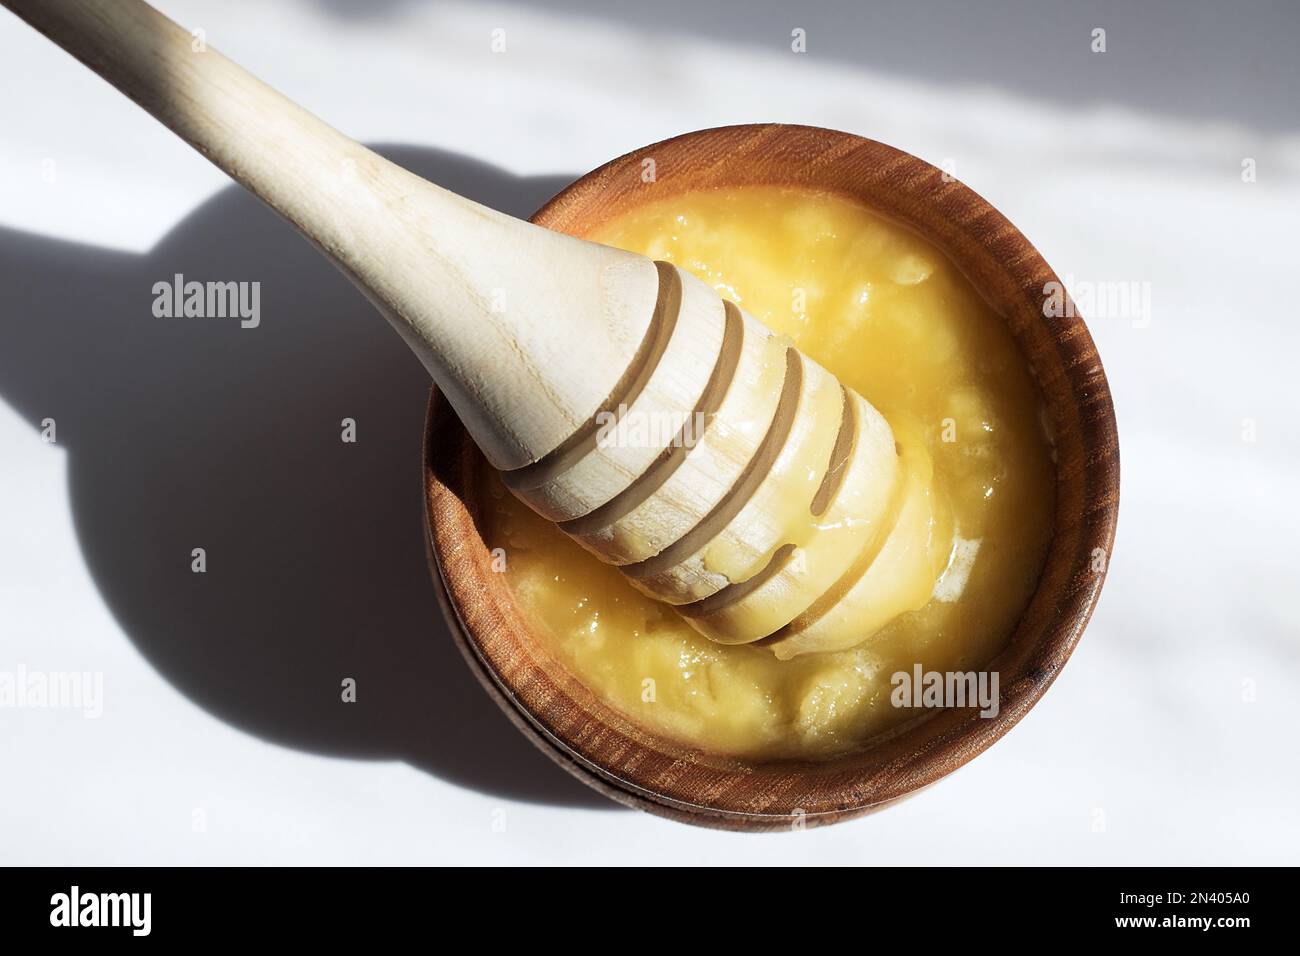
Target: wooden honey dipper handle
x=525, y=330
x=777, y=507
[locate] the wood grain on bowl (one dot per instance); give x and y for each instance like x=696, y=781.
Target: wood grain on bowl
x=633, y=765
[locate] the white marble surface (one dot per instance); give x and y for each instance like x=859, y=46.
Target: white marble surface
x=1171, y=736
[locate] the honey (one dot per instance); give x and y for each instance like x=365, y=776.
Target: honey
x=970, y=513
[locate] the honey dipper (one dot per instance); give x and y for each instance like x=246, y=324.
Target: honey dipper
x=776, y=509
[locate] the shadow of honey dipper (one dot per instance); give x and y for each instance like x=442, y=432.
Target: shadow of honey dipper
x=195, y=432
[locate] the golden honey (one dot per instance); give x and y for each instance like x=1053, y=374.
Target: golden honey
x=892, y=318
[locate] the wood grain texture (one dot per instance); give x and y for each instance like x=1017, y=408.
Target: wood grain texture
x=628, y=762
x=526, y=330
x=556, y=353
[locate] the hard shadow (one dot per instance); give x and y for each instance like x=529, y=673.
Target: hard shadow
x=186, y=433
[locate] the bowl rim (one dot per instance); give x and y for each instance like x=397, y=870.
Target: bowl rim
x=628, y=762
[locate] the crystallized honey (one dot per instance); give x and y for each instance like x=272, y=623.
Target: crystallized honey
x=893, y=319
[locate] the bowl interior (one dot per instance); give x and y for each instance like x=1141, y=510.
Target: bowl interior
x=634, y=765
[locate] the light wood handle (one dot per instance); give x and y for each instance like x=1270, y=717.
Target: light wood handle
x=786, y=517
x=528, y=332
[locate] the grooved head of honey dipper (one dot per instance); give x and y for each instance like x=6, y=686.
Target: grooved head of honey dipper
x=774, y=496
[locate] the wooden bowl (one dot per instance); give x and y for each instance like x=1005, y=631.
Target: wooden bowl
x=631, y=764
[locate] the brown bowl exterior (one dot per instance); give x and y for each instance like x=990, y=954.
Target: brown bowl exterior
x=637, y=767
